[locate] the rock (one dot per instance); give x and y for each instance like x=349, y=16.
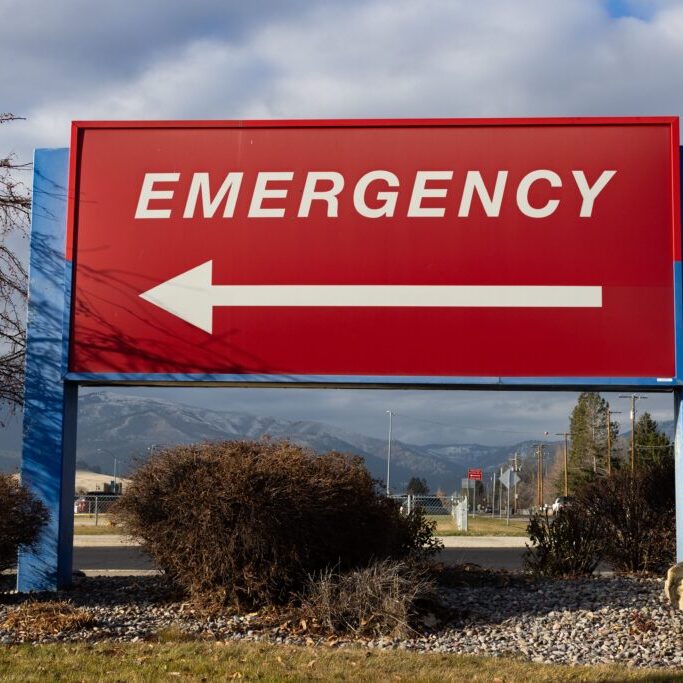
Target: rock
x=673, y=591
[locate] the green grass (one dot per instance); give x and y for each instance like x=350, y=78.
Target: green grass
x=198, y=661
x=480, y=525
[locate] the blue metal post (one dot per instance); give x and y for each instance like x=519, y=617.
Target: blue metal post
x=50, y=403
x=678, y=455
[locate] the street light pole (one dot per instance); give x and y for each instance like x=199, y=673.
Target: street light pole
x=389, y=451
x=539, y=473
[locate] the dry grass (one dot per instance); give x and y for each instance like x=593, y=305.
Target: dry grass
x=37, y=619
x=138, y=663
x=380, y=600
x=481, y=525
x=99, y=530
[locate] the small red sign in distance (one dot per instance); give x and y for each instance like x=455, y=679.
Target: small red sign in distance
x=528, y=249
x=474, y=473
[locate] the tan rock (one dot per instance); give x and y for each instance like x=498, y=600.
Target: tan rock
x=673, y=586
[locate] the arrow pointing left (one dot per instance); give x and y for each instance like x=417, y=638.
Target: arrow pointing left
x=192, y=296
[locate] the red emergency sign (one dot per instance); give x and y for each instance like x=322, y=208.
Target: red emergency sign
x=453, y=249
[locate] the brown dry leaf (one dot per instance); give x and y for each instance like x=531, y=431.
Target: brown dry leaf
x=311, y=663
x=303, y=624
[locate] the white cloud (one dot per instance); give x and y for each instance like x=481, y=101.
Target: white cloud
x=388, y=58
x=377, y=58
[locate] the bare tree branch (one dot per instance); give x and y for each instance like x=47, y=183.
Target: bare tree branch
x=15, y=206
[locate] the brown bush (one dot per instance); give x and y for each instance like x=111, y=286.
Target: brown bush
x=638, y=514
x=21, y=519
x=244, y=523
x=34, y=619
x=570, y=543
x=380, y=600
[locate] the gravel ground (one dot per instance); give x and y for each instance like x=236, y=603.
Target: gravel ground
x=619, y=619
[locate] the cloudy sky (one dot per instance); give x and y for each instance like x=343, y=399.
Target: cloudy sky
x=216, y=59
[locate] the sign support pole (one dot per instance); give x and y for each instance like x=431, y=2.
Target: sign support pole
x=50, y=404
x=678, y=455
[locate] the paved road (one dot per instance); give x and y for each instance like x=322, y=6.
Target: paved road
x=111, y=553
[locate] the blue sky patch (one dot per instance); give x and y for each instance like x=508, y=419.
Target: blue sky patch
x=639, y=9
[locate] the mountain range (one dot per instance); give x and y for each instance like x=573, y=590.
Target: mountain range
x=127, y=428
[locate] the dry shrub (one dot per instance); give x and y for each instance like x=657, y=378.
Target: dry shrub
x=35, y=619
x=380, y=600
x=638, y=514
x=21, y=519
x=244, y=523
x=568, y=544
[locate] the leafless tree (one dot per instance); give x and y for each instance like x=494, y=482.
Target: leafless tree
x=15, y=204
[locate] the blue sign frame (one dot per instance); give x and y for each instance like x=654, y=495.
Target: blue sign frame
x=50, y=411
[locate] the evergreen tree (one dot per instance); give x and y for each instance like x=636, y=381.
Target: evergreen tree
x=417, y=487
x=651, y=445
x=588, y=440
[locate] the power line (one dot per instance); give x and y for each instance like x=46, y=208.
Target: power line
x=528, y=432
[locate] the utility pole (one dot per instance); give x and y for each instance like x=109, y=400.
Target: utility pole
x=541, y=459
x=566, y=468
x=539, y=473
x=515, y=469
x=389, y=452
x=609, y=439
x=634, y=398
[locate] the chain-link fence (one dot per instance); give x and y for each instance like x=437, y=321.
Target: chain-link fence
x=91, y=506
x=439, y=507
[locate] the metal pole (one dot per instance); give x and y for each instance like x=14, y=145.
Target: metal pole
x=678, y=459
x=508, y=515
x=542, y=492
x=634, y=398
x=389, y=452
x=97, y=510
x=493, y=502
x=516, y=470
x=539, y=475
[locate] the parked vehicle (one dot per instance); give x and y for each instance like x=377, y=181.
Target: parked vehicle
x=561, y=503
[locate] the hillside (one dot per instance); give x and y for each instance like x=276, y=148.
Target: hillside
x=127, y=428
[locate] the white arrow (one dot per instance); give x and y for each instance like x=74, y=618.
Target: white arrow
x=192, y=296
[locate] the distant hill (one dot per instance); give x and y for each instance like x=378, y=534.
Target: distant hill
x=128, y=428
